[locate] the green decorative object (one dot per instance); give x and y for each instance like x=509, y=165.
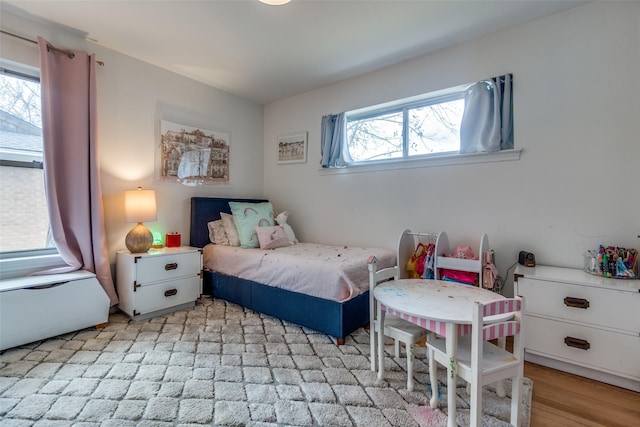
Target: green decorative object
x=157, y=240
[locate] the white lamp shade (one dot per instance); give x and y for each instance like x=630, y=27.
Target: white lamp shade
x=140, y=205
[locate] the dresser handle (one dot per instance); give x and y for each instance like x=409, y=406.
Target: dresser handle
x=170, y=292
x=172, y=266
x=577, y=343
x=576, y=302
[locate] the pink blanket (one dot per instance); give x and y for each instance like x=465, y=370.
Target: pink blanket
x=336, y=273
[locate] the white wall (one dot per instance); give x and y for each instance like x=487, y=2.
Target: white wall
x=577, y=120
x=132, y=97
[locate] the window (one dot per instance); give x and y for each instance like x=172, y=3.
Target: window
x=471, y=123
x=24, y=224
x=407, y=130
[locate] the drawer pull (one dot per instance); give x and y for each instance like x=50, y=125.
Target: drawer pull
x=577, y=343
x=172, y=266
x=170, y=292
x=576, y=302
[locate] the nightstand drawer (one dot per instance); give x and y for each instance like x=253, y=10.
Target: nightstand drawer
x=583, y=345
x=169, y=266
x=168, y=293
x=579, y=303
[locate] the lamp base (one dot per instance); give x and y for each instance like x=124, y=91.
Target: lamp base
x=139, y=239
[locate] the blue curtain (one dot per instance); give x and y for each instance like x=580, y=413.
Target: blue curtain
x=487, y=121
x=333, y=141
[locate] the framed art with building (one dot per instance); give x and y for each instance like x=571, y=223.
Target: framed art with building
x=192, y=156
x=292, y=148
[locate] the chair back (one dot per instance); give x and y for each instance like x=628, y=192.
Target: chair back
x=375, y=278
x=484, y=329
x=506, y=328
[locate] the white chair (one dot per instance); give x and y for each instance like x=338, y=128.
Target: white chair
x=398, y=329
x=480, y=362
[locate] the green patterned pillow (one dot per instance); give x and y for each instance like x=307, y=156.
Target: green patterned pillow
x=248, y=216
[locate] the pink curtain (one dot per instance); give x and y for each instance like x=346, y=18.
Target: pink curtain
x=72, y=175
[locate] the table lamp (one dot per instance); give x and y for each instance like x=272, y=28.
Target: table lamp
x=139, y=206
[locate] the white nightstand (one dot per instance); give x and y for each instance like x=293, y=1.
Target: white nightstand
x=159, y=281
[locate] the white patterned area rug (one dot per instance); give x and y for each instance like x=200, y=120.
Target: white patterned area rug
x=217, y=364
x=496, y=411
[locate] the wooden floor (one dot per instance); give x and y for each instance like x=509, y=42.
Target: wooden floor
x=561, y=399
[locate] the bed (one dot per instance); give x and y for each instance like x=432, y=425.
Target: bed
x=336, y=312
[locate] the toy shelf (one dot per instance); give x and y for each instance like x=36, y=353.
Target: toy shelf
x=471, y=265
x=407, y=244
x=409, y=240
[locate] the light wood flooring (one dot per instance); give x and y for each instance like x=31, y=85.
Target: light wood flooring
x=562, y=399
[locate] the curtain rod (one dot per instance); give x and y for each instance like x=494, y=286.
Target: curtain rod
x=69, y=53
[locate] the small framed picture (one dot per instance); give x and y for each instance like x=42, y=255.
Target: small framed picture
x=292, y=148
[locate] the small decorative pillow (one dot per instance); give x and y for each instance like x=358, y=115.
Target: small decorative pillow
x=248, y=216
x=217, y=234
x=230, y=229
x=272, y=237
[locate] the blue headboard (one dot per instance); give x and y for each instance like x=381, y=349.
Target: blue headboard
x=205, y=210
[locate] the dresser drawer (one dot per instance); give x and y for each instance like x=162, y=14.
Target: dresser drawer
x=609, y=308
x=165, y=294
x=162, y=267
x=610, y=351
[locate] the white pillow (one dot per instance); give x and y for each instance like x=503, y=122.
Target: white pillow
x=272, y=237
x=217, y=234
x=230, y=229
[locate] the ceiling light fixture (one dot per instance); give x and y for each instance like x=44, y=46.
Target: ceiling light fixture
x=274, y=2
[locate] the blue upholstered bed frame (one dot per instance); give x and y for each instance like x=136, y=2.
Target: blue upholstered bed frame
x=330, y=317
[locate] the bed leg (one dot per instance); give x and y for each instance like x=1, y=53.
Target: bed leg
x=340, y=341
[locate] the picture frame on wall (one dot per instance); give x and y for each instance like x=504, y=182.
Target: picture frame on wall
x=292, y=148
x=192, y=156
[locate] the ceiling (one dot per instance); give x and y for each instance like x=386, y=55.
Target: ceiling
x=266, y=53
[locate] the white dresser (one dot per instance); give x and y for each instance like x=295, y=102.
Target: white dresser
x=581, y=323
x=159, y=281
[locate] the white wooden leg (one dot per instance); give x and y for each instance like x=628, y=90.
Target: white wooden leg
x=452, y=349
x=516, y=400
x=380, y=342
x=372, y=345
x=475, y=418
x=500, y=389
x=410, y=357
x=433, y=378
x=396, y=348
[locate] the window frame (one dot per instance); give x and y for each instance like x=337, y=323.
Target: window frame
x=422, y=160
x=403, y=106
x=22, y=262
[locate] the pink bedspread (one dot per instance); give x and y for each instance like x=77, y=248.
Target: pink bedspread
x=336, y=273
